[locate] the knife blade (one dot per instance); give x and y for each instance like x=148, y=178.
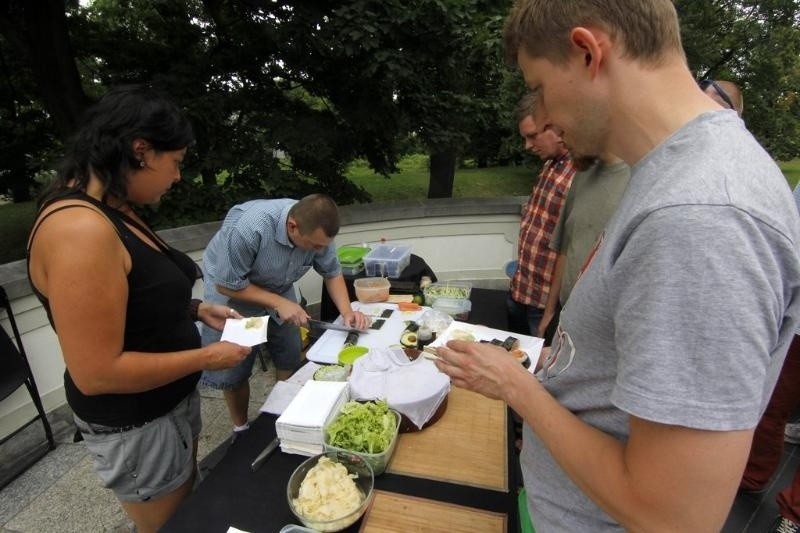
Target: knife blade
x=336, y=327
x=264, y=455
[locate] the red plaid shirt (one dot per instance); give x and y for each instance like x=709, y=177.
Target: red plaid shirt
x=531, y=282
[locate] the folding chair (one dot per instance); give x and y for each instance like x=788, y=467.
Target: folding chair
x=15, y=372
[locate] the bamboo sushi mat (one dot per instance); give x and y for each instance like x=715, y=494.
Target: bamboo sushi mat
x=467, y=446
x=398, y=513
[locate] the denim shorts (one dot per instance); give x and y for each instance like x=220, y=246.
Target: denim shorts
x=149, y=461
x=283, y=344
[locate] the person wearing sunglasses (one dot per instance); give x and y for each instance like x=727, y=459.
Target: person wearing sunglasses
x=725, y=93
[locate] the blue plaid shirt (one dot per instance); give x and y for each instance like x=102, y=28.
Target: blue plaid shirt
x=253, y=246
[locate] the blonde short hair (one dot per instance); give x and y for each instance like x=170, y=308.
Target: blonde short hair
x=648, y=30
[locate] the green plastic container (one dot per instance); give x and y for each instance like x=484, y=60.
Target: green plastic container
x=351, y=255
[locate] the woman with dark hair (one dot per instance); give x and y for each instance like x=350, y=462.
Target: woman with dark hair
x=119, y=299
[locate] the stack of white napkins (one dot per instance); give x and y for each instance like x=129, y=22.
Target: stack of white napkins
x=300, y=427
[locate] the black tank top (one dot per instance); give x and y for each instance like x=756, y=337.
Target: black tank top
x=157, y=320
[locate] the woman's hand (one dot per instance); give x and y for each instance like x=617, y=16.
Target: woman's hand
x=224, y=354
x=215, y=315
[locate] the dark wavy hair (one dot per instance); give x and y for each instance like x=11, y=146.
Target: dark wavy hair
x=103, y=142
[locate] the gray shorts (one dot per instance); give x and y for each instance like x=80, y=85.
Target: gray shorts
x=150, y=461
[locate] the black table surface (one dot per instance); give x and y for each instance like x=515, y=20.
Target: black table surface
x=232, y=495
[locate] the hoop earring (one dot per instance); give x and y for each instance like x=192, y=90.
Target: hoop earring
x=142, y=164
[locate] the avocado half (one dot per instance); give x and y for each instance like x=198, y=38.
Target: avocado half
x=409, y=339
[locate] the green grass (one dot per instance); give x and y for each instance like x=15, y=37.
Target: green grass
x=411, y=182
x=15, y=223
x=791, y=169
x=408, y=184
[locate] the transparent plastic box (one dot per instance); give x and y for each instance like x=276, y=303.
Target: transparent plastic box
x=447, y=289
x=387, y=259
x=458, y=308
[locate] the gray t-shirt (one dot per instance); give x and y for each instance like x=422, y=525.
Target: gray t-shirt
x=592, y=199
x=686, y=311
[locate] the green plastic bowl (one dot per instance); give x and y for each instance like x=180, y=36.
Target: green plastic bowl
x=348, y=355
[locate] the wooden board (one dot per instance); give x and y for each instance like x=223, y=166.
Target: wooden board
x=397, y=513
x=467, y=446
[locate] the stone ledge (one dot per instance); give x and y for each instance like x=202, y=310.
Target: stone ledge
x=13, y=276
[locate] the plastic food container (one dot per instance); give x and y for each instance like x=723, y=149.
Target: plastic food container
x=447, y=289
x=352, y=270
x=458, y=308
x=351, y=254
x=332, y=373
x=377, y=461
x=352, y=259
x=294, y=528
x=371, y=290
x=388, y=259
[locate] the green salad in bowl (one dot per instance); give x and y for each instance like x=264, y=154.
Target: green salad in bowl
x=367, y=428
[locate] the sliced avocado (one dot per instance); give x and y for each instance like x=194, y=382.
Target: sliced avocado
x=409, y=339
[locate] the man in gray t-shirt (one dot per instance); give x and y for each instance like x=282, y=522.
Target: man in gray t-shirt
x=669, y=346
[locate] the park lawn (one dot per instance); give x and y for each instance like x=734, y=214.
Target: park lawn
x=15, y=224
x=409, y=184
x=791, y=169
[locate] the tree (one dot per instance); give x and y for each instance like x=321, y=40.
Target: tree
x=757, y=45
x=40, y=94
x=428, y=68
x=283, y=94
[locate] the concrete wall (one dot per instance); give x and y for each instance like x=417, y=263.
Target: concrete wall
x=464, y=239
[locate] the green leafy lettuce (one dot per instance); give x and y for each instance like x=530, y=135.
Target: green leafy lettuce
x=363, y=427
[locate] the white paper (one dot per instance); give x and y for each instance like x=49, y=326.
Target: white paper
x=237, y=331
x=313, y=404
x=280, y=397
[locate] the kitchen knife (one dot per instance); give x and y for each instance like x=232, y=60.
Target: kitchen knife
x=336, y=327
x=264, y=455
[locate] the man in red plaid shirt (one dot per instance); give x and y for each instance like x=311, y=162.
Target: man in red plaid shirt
x=530, y=284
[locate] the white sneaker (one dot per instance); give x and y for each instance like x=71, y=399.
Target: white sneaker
x=792, y=433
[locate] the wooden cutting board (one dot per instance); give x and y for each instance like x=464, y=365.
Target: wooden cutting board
x=397, y=513
x=467, y=446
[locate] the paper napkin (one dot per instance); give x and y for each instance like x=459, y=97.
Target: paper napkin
x=246, y=331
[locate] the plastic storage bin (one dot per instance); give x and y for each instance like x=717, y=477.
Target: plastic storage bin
x=352, y=259
x=294, y=528
x=458, y=308
x=377, y=461
x=387, y=259
x=446, y=289
x=352, y=270
x=371, y=290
